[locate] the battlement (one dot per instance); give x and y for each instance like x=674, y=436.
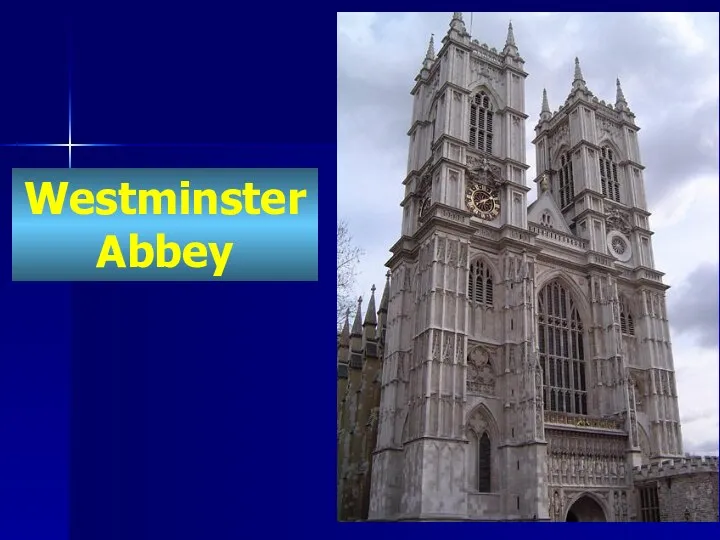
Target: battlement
x=676, y=466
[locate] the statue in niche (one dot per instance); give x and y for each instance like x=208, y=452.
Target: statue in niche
x=481, y=376
x=556, y=506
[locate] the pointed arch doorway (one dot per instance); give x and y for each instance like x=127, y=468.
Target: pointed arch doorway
x=586, y=509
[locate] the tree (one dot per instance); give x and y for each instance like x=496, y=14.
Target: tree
x=348, y=256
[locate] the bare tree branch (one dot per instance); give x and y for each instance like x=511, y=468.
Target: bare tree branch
x=348, y=256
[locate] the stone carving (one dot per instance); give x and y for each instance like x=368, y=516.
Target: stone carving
x=539, y=427
x=617, y=221
x=441, y=249
x=638, y=387
x=623, y=507
x=478, y=423
x=561, y=135
x=452, y=253
x=485, y=73
x=633, y=430
x=581, y=421
x=482, y=171
x=459, y=349
x=555, y=506
x=591, y=445
x=481, y=375
x=463, y=255
x=436, y=345
x=449, y=349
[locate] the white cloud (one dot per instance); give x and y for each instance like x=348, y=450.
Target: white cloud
x=669, y=71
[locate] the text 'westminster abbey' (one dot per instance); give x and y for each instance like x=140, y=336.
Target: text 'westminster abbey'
x=519, y=365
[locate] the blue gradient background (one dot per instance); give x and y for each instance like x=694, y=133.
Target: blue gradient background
x=65, y=247
x=191, y=410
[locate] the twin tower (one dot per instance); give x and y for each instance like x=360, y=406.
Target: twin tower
x=519, y=366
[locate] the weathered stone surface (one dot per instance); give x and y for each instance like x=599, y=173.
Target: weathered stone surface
x=520, y=366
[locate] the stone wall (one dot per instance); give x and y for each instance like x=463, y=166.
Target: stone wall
x=691, y=497
x=687, y=488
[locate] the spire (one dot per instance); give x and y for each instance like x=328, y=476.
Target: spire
x=371, y=314
x=545, y=113
x=510, y=40
x=510, y=47
x=430, y=54
x=357, y=324
x=431, y=48
x=344, y=341
x=620, y=102
x=345, y=332
x=578, y=81
x=578, y=71
x=458, y=25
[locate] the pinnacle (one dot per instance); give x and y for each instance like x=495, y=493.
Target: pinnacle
x=458, y=25
x=620, y=96
x=370, y=314
x=578, y=71
x=510, y=41
x=345, y=333
x=357, y=323
x=578, y=81
x=430, y=55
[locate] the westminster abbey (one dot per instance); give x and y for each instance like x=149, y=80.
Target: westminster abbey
x=518, y=365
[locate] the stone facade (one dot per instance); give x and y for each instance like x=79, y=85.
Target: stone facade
x=686, y=489
x=519, y=367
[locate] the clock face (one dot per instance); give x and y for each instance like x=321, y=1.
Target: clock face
x=483, y=201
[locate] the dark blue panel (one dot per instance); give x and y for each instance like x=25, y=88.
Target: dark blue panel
x=165, y=410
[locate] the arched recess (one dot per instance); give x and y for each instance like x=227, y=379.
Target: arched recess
x=579, y=295
x=432, y=116
x=608, y=160
x=626, y=315
x=481, y=270
x=607, y=141
x=495, y=99
x=481, y=370
x=644, y=443
x=563, y=149
x=482, y=457
x=562, y=348
x=586, y=507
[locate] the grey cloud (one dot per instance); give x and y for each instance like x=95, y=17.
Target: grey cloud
x=694, y=305
x=706, y=447
x=376, y=74
x=658, y=78
x=688, y=419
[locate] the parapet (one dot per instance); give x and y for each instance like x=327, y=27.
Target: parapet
x=676, y=467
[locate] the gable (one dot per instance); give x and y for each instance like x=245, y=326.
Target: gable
x=544, y=211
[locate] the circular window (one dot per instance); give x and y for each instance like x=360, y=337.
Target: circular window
x=619, y=246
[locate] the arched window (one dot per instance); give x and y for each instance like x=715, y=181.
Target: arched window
x=480, y=284
x=481, y=123
x=562, y=355
x=484, y=457
x=608, y=174
x=567, y=184
x=627, y=326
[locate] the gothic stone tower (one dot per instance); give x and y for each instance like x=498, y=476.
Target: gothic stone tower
x=461, y=427
x=610, y=388
x=527, y=364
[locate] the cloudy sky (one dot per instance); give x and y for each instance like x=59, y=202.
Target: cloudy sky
x=668, y=66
